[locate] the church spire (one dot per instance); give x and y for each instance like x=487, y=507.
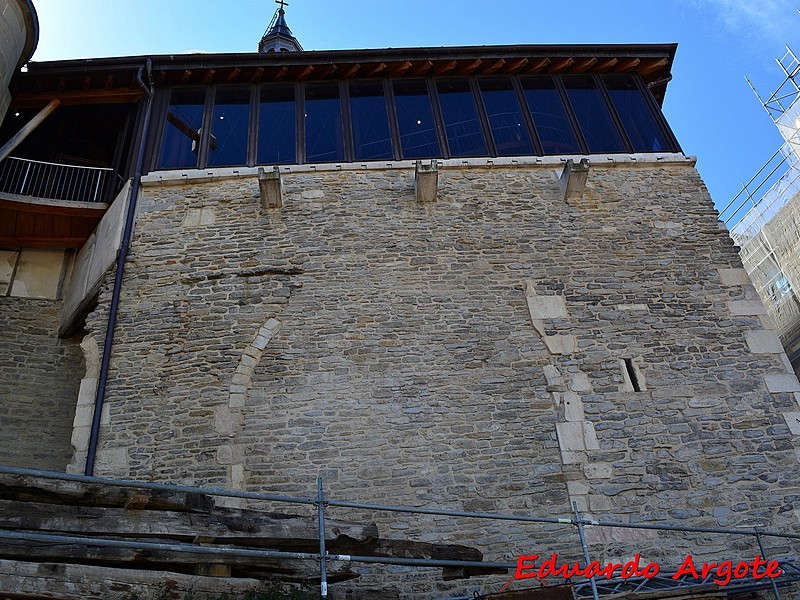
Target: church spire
x=278, y=37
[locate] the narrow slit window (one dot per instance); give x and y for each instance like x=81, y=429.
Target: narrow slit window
x=183, y=130
x=230, y=128
x=323, y=114
x=510, y=133
x=460, y=116
x=550, y=116
x=418, y=138
x=371, y=137
x=277, y=114
x=595, y=121
x=633, y=375
x=637, y=118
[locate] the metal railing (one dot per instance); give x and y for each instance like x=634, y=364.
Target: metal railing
x=53, y=181
x=591, y=587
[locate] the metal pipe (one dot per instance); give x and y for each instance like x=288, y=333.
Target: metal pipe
x=122, y=257
x=28, y=128
x=323, y=567
x=585, y=547
x=764, y=556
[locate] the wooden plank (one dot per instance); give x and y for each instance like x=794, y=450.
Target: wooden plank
x=494, y=67
x=351, y=71
x=55, y=491
x=422, y=68
x=445, y=68
x=47, y=242
x=76, y=97
x=516, y=65
x=537, y=66
x=559, y=64
x=398, y=70
x=244, y=527
x=8, y=221
x=626, y=64
x=470, y=67
x=583, y=65
x=63, y=207
x=297, y=570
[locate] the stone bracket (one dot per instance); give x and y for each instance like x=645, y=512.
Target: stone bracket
x=426, y=181
x=573, y=179
x=271, y=187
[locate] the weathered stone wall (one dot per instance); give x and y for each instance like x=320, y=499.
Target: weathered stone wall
x=39, y=379
x=497, y=350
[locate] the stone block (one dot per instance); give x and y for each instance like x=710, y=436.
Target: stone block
x=270, y=186
x=573, y=178
x=633, y=307
x=579, y=382
x=763, y=341
x=111, y=461
x=426, y=181
x=733, y=277
x=744, y=308
x=553, y=376
x=793, y=422
x=598, y=470
x=560, y=344
x=590, y=436
x=38, y=273
x=578, y=488
x=547, y=307
x=570, y=437
x=573, y=407
x=777, y=384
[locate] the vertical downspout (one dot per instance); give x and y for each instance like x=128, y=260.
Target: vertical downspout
x=122, y=258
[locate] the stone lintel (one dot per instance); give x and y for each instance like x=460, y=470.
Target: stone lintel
x=778, y=384
x=733, y=277
x=763, y=341
x=573, y=179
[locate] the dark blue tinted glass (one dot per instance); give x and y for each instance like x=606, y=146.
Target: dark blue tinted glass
x=415, y=120
x=371, y=137
x=637, y=118
x=183, y=129
x=464, y=134
x=276, y=125
x=230, y=127
x=324, y=141
x=508, y=127
x=598, y=128
x=549, y=116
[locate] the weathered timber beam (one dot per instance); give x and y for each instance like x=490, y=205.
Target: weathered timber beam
x=77, y=97
x=54, y=491
x=245, y=527
x=28, y=128
x=242, y=565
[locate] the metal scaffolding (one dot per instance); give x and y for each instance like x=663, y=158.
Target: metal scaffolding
x=764, y=217
x=575, y=524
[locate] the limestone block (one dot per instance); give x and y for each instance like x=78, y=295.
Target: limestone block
x=192, y=218
x=237, y=476
x=777, y=384
x=313, y=194
x=743, y=308
x=579, y=382
x=570, y=437
x=598, y=470
x=590, y=437
x=793, y=421
x=573, y=178
x=270, y=186
x=230, y=454
x=633, y=307
x=763, y=341
x=573, y=458
x=578, y=488
x=237, y=400
x=38, y=273
x=573, y=407
x=426, y=181
x=547, y=307
x=598, y=503
x=553, y=375
x=560, y=344
x=733, y=277
x=88, y=392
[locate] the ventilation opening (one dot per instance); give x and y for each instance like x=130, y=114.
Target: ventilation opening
x=633, y=375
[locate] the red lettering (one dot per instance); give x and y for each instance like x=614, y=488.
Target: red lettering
x=526, y=563
x=609, y=569
x=707, y=567
x=724, y=571
x=687, y=566
x=549, y=567
x=651, y=570
x=631, y=568
x=758, y=562
x=773, y=570
x=576, y=570
x=738, y=573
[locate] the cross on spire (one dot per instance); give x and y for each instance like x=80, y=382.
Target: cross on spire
x=282, y=3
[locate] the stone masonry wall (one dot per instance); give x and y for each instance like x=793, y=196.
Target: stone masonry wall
x=497, y=350
x=39, y=379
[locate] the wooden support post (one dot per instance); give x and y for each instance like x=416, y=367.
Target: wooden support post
x=573, y=179
x=28, y=128
x=271, y=186
x=426, y=181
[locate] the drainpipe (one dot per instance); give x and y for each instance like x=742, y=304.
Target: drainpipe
x=122, y=258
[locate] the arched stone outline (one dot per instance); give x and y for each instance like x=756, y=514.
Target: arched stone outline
x=228, y=418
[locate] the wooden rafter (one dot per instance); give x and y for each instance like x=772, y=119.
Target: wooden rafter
x=375, y=70
x=209, y=76
x=495, y=67
x=652, y=65
x=422, y=68
x=605, y=65
x=305, y=73
x=469, y=68
x=256, y=76
x=537, y=66
x=583, y=65
x=87, y=82
x=281, y=73
x=185, y=77
x=559, y=64
x=445, y=68
x=516, y=65
x=233, y=75
x=329, y=71
x=626, y=64
x=109, y=81
x=401, y=68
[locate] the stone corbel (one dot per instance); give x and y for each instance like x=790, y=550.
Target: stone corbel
x=271, y=186
x=426, y=181
x=573, y=179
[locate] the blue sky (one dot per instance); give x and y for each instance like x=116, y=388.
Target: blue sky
x=709, y=105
